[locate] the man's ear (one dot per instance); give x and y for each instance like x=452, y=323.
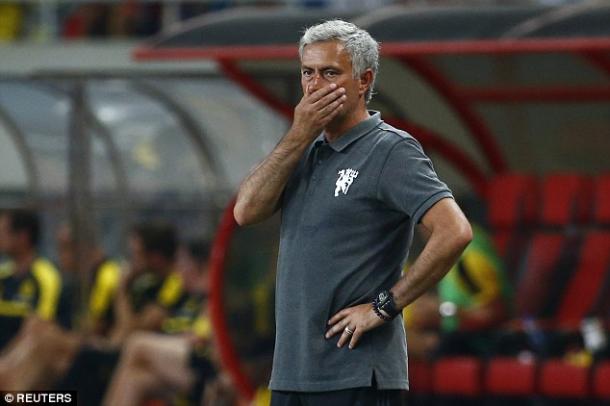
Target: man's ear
x=366, y=79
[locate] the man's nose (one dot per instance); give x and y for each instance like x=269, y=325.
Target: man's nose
x=315, y=83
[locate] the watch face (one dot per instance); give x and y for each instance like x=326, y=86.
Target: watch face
x=383, y=296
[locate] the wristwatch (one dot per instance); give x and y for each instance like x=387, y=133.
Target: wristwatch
x=384, y=305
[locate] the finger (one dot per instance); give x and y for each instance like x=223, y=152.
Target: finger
x=320, y=93
x=333, y=108
x=355, y=338
x=330, y=117
x=345, y=337
x=338, y=316
x=329, y=98
x=336, y=329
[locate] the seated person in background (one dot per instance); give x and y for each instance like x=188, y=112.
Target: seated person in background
x=45, y=349
x=103, y=277
x=179, y=359
x=152, y=286
x=472, y=300
x=148, y=293
x=422, y=321
x=30, y=286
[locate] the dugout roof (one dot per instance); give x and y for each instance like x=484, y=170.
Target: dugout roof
x=470, y=83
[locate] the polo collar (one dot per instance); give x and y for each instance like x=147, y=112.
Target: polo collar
x=356, y=132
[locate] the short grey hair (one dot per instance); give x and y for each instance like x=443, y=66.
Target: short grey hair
x=361, y=47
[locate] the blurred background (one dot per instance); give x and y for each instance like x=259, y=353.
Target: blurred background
x=126, y=127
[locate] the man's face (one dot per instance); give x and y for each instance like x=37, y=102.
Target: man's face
x=137, y=254
x=327, y=62
x=6, y=235
x=66, y=252
x=190, y=270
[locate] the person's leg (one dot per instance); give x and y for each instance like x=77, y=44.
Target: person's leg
x=220, y=391
x=15, y=361
x=366, y=396
x=166, y=356
x=150, y=362
x=42, y=353
x=205, y=374
x=58, y=347
x=90, y=373
x=140, y=382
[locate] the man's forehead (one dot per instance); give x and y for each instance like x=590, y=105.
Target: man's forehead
x=324, y=48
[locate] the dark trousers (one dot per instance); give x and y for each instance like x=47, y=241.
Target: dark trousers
x=369, y=396
x=90, y=374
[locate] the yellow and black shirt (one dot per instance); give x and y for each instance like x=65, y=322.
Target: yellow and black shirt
x=477, y=279
x=150, y=288
x=34, y=292
x=186, y=316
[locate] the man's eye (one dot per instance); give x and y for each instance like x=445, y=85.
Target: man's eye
x=331, y=74
x=306, y=73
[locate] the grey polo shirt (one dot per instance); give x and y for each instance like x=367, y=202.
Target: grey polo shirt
x=348, y=213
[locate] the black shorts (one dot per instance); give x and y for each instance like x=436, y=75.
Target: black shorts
x=367, y=396
x=204, y=372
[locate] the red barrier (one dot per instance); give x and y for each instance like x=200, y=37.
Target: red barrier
x=224, y=342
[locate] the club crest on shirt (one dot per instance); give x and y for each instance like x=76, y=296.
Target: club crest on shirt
x=345, y=180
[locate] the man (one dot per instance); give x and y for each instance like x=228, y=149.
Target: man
x=472, y=300
x=152, y=287
x=178, y=359
x=104, y=277
x=147, y=295
x=350, y=198
x=45, y=350
x=30, y=286
x=476, y=292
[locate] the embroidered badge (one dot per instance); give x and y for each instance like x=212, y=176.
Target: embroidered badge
x=346, y=178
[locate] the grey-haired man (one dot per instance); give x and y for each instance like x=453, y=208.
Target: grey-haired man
x=351, y=189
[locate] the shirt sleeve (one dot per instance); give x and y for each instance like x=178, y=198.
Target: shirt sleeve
x=408, y=182
x=171, y=291
x=49, y=282
x=485, y=277
x=104, y=289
